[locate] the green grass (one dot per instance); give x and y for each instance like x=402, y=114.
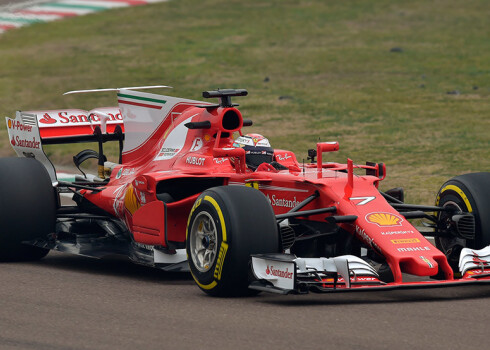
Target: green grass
x=331, y=59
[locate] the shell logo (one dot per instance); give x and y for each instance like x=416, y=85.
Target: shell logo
x=384, y=219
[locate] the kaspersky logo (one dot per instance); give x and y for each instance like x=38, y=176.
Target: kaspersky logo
x=47, y=119
x=384, y=219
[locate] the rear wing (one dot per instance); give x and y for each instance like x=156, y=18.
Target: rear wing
x=29, y=131
x=148, y=119
x=76, y=125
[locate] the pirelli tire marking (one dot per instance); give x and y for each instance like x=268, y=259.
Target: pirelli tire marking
x=461, y=194
x=221, y=258
x=223, y=246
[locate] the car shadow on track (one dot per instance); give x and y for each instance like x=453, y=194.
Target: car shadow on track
x=123, y=268
x=383, y=297
x=113, y=266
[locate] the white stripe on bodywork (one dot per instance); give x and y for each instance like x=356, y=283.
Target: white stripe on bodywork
x=285, y=189
x=162, y=258
x=141, y=123
x=175, y=140
x=269, y=188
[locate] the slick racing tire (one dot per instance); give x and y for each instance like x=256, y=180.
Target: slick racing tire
x=27, y=208
x=226, y=225
x=466, y=193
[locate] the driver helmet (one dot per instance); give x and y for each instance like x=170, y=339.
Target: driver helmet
x=257, y=148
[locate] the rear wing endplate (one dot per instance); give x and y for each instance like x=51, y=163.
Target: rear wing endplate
x=26, y=141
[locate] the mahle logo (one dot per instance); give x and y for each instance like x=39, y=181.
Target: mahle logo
x=384, y=219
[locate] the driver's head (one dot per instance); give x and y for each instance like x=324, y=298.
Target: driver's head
x=257, y=148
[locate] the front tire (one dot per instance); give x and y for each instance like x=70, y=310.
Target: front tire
x=466, y=193
x=27, y=208
x=226, y=225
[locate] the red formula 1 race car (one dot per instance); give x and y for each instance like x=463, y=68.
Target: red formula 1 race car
x=192, y=191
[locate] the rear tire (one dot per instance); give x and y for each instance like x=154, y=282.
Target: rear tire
x=226, y=225
x=27, y=209
x=468, y=193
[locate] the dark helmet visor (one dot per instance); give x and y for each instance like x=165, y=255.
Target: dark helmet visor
x=254, y=156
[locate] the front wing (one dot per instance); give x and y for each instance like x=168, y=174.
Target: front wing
x=288, y=274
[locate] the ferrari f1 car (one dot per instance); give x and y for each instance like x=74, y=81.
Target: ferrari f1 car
x=191, y=191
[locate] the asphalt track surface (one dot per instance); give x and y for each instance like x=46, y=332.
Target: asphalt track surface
x=70, y=302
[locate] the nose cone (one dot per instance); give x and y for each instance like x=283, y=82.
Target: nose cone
x=420, y=266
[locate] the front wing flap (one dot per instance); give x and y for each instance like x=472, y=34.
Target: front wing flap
x=288, y=274
x=285, y=273
x=475, y=263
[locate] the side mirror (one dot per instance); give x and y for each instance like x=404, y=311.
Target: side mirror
x=237, y=153
x=324, y=147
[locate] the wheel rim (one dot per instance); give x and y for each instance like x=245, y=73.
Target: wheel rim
x=203, y=242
